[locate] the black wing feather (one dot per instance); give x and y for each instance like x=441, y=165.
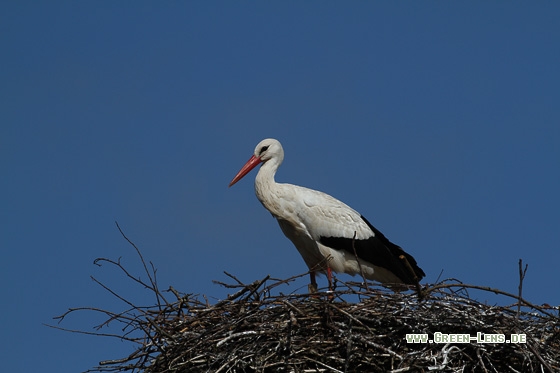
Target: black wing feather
x=379, y=251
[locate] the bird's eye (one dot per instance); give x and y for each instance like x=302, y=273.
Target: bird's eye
x=263, y=149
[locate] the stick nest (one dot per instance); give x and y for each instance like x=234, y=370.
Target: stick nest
x=355, y=328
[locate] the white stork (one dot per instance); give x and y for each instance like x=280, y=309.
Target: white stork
x=329, y=235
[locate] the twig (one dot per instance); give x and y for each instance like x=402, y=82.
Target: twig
x=522, y=273
x=492, y=290
x=112, y=292
x=536, y=353
x=152, y=279
x=324, y=365
x=250, y=287
x=240, y=334
x=97, y=334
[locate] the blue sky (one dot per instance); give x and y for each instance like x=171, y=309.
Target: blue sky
x=438, y=121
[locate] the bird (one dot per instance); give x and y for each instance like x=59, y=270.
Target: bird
x=329, y=235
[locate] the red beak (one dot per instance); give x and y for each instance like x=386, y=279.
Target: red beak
x=251, y=163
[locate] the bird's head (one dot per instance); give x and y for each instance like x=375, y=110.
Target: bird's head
x=266, y=150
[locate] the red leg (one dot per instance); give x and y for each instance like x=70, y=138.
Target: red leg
x=329, y=277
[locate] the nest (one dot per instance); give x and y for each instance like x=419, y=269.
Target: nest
x=355, y=328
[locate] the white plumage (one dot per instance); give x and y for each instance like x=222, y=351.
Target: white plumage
x=328, y=234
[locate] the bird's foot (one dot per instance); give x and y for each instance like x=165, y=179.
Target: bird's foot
x=312, y=288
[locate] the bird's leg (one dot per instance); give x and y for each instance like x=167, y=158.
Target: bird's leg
x=313, y=285
x=330, y=294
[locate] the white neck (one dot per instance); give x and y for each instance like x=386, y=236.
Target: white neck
x=266, y=188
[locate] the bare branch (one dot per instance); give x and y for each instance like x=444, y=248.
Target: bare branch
x=522, y=274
